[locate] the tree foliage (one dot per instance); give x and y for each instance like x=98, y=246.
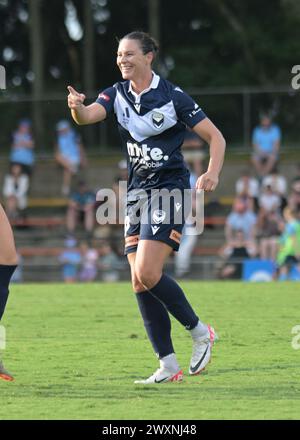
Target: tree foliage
x=203, y=43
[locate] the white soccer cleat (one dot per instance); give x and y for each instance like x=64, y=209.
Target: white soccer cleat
x=162, y=375
x=202, y=351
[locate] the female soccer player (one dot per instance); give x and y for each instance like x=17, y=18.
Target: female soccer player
x=8, y=264
x=152, y=116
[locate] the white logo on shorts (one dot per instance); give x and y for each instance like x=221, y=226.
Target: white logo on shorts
x=126, y=224
x=155, y=229
x=158, y=216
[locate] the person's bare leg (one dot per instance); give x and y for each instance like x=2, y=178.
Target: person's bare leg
x=8, y=264
x=158, y=327
x=72, y=217
x=8, y=254
x=67, y=178
x=11, y=206
x=89, y=219
x=263, y=249
x=150, y=259
x=257, y=166
x=273, y=248
x=269, y=165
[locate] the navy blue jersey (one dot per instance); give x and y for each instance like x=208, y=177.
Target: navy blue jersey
x=152, y=127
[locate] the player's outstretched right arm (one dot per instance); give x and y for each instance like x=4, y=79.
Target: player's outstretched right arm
x=81, y=113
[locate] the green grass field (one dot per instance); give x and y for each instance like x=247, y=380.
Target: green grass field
x=76, y=350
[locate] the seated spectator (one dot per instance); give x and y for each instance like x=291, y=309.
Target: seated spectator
x=268, y=200
x=193, y=151
x=278, y=184
x=240, y=219
x=182, y=258
x=81, y=205
x=69, y=153
x=247, y=187
x=70, y=259
x=110, y=264
x=235, y=251
x=15, y=190
x=22, y=147
x=89, y=263
x=288, y=256
x=270, y=224
x=296, y=178
x=294, y=197
x=266, y=143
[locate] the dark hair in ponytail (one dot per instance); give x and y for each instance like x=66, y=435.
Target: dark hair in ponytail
x=147, y=43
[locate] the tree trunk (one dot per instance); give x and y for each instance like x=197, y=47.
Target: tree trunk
x=154, y=24
x=89, y=62
x=37, y=67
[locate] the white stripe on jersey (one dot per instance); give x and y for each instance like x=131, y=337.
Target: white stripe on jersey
x=152, y=123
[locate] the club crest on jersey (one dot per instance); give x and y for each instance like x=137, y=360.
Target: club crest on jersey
x=158, y=216
x=157, y=119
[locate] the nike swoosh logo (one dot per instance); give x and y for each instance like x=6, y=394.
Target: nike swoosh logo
x=195, y=368
x=162, y=380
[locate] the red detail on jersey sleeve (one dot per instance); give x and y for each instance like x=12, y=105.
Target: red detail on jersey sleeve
x=104, y=96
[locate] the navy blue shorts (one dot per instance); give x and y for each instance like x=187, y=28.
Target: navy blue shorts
x=159, y=215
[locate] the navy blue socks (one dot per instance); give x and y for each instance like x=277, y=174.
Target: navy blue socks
x=170, y=294
x=157, y=323
x=6, y=273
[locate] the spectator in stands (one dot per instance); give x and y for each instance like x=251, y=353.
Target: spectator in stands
x=89, y=263
x=69, y=154
x=15, y=190
x=182, y=258
x=235, y=252
x=193, y=150
x=70, y=259
x=270, y=224
x=81, y=205
x=240, y=219
x=296, y=178
x=247, y=187
x=22, y=149
x=110, y=264
x=288, y=258
x=278, y=183
x=268, y=200
x=266, y=143
x=193, y=154
x=294, y=197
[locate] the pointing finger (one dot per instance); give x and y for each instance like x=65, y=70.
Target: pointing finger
x=72, y=91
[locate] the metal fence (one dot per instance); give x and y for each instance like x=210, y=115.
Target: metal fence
x=234, y=110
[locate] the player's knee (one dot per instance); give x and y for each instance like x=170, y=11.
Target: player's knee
x=137, y=285
x=147, y=276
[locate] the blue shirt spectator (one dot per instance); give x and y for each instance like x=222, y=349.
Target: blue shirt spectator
x=70, y=259
x=266, y=139
x=69, y=153
x=22, y=146
x=81, y=206
x=241, y=219
x=68, y=143
x=83, y=196
x=266, y=143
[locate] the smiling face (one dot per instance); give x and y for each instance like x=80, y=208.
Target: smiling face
x=134, y=65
